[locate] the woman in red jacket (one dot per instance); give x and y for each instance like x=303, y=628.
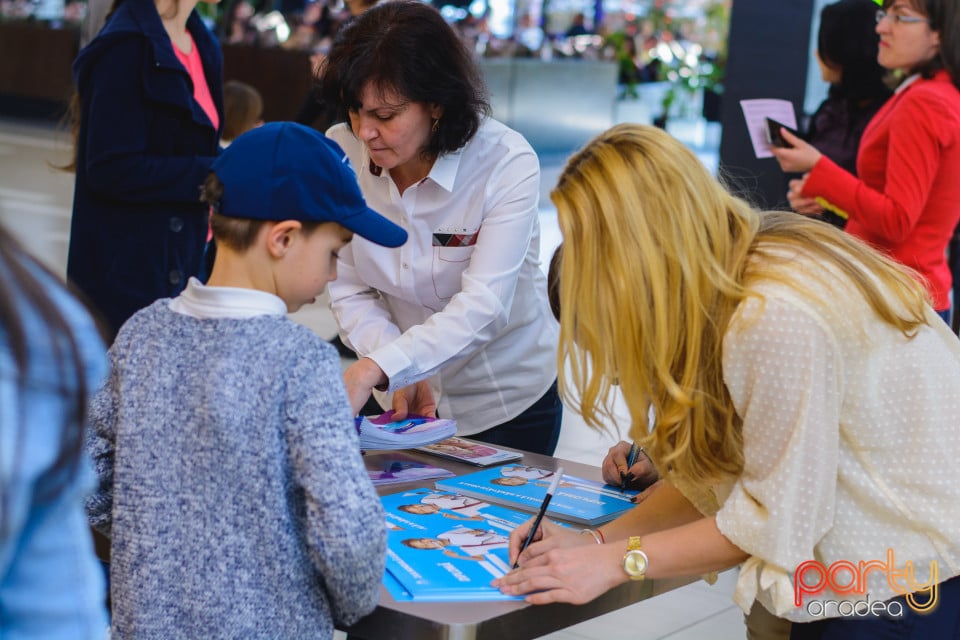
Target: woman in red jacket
x=906, y=200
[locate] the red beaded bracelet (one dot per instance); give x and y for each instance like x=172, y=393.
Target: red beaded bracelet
x=596, y=533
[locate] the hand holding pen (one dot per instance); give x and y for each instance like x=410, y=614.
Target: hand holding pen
x=558, y=474
x=627, y=476
x=628, y=467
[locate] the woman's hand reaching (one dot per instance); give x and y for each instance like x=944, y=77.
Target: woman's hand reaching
x=416, y=399
x=801, y=203
x=617, y=473
x=561, y=565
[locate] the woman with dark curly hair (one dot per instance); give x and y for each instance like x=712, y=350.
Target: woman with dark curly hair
x=847, y=55
x=457, y=319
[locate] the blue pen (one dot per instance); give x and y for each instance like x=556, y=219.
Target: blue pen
x=543, y=509
x=632, y=458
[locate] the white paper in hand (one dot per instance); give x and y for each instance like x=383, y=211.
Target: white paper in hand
x=757, y=111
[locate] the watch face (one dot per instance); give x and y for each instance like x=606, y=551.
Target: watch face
x=635, y=564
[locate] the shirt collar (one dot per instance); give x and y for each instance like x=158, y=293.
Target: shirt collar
x=203, y=302
x=443, y=172
x=906, y=83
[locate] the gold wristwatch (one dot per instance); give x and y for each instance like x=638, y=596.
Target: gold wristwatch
x=635, y=560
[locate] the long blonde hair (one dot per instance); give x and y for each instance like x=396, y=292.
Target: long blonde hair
x=657, y=257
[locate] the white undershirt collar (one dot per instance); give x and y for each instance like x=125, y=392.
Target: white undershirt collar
x=203, y=302
x=906, y=83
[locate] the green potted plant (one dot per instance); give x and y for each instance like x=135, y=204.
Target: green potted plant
x=699, y=67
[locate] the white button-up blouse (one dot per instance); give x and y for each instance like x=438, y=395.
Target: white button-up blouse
x=464, y=301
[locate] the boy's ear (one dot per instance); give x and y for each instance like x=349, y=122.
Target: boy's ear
x=281, y=235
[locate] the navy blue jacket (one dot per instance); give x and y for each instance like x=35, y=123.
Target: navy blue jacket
x=144, y=149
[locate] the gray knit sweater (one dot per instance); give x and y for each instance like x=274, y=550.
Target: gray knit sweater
x=231, y=482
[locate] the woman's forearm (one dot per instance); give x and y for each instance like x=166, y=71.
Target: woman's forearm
x=692, y=549
x=664, y=508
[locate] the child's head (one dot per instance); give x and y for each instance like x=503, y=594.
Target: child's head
x=242, y=109
x=284, y=200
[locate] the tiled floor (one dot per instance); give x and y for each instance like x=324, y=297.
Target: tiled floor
x=35, y=202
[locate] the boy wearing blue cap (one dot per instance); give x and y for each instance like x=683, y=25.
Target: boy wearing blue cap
x=231, y=482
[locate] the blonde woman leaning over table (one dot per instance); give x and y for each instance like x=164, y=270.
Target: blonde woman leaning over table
x=906, y=200
x=806, y=397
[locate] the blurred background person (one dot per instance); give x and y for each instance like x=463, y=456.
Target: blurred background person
x=236, y=24
x=578, y=26
x=847, y=46
x=150, y=105
x=51, y=359
x=94, y=20
x=905, y=199
x=242, y=110
x=311, y=28
x=456, y=320
x=315, y=112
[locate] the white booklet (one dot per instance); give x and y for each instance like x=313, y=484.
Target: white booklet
x=756, y=113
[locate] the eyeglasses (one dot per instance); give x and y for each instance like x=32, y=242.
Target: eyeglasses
x=899, y=18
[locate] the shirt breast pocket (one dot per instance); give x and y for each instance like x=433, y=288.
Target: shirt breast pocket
x=449, y=264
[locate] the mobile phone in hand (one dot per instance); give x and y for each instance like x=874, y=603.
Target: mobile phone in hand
x=774, y=139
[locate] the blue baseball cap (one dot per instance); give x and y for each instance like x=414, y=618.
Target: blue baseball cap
x=287, y=171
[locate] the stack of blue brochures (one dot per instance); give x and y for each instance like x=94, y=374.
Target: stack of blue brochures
x=383, y=432
x=444, y=547
x=521, y=487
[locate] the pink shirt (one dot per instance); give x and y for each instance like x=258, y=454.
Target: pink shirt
x=201, y=91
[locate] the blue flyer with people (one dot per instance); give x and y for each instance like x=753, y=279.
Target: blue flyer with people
x=443, y=546
x=521, y=487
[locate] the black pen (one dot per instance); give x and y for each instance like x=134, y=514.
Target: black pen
x=631, y=460
x=543, y=509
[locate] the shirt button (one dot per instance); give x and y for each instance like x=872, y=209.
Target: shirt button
x=176, y=224
x=405, y=265
x=175, y=277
